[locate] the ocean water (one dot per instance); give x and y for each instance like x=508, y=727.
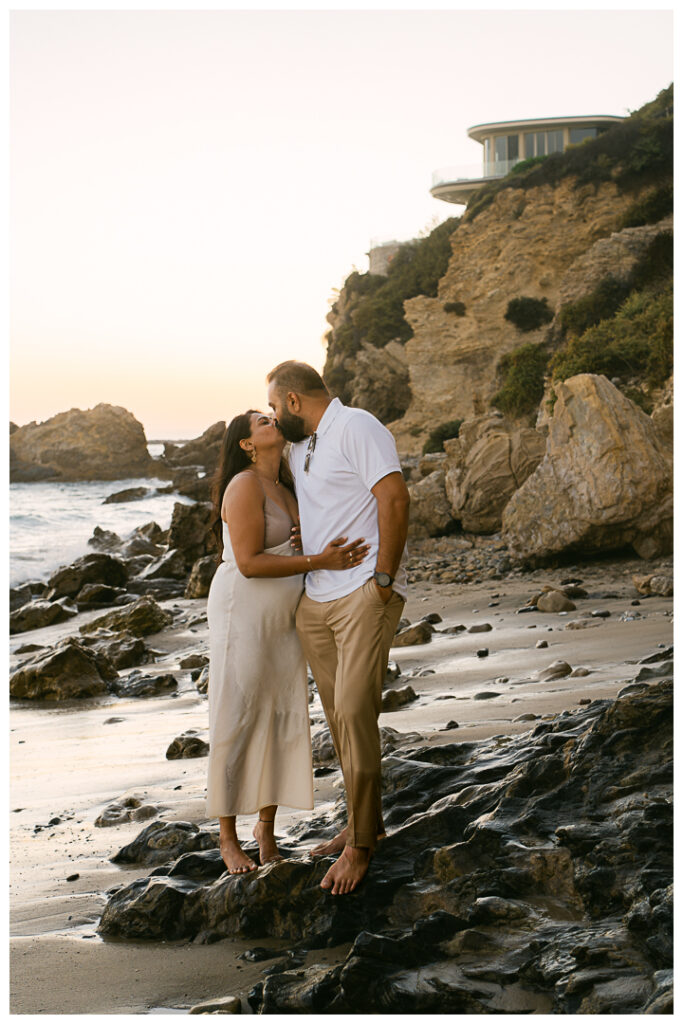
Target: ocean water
x=51, y=523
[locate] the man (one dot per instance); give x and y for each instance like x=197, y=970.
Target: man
x=349, y=482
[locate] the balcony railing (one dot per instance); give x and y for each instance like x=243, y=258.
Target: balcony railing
x=473, y=172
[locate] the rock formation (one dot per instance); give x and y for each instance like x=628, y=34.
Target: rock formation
x=604, y=483
x=527, y=876
x=104, y=443
x=485, y=465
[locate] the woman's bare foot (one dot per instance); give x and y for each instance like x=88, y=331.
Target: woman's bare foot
x=335, y=845
x=235, y=859
x=264, y=836
x=347, y=871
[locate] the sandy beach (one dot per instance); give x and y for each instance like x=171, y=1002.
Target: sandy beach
x=71, y=760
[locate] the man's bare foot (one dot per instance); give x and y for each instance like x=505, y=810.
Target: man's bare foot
x=235, y=859
x=346, y=872
x=336, y=844
x=268, y=851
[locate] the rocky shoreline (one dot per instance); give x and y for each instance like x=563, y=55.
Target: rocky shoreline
x=526, y=785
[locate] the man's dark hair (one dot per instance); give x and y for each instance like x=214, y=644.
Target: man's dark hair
x=298, y=377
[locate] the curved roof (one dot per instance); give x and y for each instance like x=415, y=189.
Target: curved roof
x=478, y=132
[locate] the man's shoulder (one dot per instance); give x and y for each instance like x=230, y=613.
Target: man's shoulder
x=361, y=419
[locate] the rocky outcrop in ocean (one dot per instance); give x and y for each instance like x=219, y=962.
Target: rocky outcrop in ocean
x=104, y=443
x=526, y=873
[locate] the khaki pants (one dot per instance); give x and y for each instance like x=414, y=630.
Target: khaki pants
x=346, y=643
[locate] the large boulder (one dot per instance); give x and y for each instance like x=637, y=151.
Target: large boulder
x=485, y=465
x=605, y=481
x=104, y=443
x=430, y=510
x=141, y=618
x=190, y=531
x=95, y=568
x=66, y=671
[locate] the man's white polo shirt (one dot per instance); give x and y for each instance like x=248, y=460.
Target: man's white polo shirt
x=353, y=451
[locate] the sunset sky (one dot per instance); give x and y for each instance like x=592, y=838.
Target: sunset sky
x=189, y=188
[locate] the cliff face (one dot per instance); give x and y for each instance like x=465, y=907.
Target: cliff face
x=104, y=443
x=550, y=242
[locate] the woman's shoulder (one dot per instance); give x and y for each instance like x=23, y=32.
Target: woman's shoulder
x=244, y=485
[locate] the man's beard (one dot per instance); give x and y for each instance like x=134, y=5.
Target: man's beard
x=291, y=427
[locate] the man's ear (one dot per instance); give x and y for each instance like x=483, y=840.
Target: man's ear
x=293, y=402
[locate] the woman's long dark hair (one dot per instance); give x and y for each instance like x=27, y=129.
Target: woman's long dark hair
x=233, y=460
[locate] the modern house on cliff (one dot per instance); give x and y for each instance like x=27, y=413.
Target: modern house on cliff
x=506, y=143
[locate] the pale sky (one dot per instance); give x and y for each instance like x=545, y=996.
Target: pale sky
x=188, y=188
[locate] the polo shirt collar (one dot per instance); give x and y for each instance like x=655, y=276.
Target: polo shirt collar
x=328, y=417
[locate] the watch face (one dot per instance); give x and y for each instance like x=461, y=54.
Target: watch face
x=383, y=578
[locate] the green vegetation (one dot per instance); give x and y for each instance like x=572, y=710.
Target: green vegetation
x=528, y=314
x=655, y=265
x=444, y=432
x=458, y=308
x=632, y=153
x=651, y=208
x=637, y=341
x=522, y=372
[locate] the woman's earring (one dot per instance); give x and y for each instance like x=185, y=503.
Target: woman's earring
x=252, y=455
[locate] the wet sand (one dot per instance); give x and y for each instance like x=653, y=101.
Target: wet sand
x=67, y=761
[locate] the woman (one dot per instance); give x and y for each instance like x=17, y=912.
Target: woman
x=260, y=746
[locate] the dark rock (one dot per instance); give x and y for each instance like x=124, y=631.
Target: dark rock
x=432, y=618
x=323, y=748
x=203, y=681
x=454, y=629
x=170, y=565
x=187, y=745
x=656, y=671
x=98, y=595
x=25, y=592
x=557, y=670
x=486, y=695
x=190, y=531
x=63, y=672
x=666, y=654
x=598, y=613
x=158, y=588
x=393, y=700
x=95, y=568
x=165, y=841
x=123, y=650
x=37, y=614
x=136, y=684
x=420, y=633
x=200, y=577
x=194, y=661
x=129, y=494
x=483, y=652
x=531, y=876
x=554, y=601
x=141, y=618
x=480, y=627
x=104, y=540
x=127, y=809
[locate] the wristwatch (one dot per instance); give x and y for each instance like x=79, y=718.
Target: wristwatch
x=383, y=579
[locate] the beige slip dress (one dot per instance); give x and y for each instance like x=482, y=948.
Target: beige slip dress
x=259, y=732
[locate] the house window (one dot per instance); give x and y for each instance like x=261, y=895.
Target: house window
x=542, y=143
x=580, y=135
x=505, y=153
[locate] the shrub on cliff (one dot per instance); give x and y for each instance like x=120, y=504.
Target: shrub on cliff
x=375, y=303
x=522, y=372
x=444, y=432
x=637, y=341
x=528, y=314
x=651, y=208
x=458, y=308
